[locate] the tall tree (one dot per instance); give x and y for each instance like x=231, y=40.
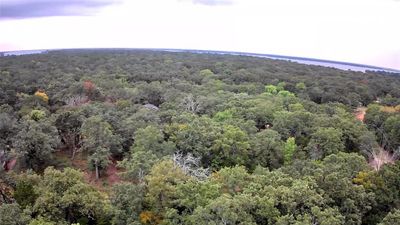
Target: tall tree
x=69, y=126
x=392, y=130
x=325, y=141
x=230, y=148
x=12, y=214
x=391, y=218
x=8, y=129
x=137, y=165
x=98, y=141
x=35, y=143
x=64, y=196
x=162, y=185
x=266, y=149
x=289, y=150
x=152, y=139
x=128, y=200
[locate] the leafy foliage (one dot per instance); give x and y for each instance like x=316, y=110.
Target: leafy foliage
x=196, y=138
x=35, y=143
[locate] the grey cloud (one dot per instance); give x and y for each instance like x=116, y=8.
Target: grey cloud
x=213, y=2
x=44, y=8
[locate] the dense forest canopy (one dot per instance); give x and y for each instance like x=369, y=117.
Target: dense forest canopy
x=147, y=137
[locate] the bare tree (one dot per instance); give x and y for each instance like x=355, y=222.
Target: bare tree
x=76, y=100
x=191, y=104
x=191, y=165
x=379, y=157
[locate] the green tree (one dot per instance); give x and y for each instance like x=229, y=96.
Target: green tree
x=296, y=107
x=368, y=143
x=65, y=196
x=99, y=160
x=223, y=116
x=162, y=185
x=266, y=149
x=6, y=188
x=137, y=165
x=224, y=210
x=230, y=148
x=261, y=111
x=293, y=124
x=383, y=184
x=8, y=129
x=328, y=216
x=152, y=139
x=128, y=201
x=99, y=141
x=392, y=130
x=281, y=86
x=336, y=180
x=35, y=143
x=232, y=179
x=391, y=218
x=69, y=126
x=271, y=89
x=24, y=192
x=41, y=221
x=301, y=86
x=325, y=141
x=206, y=73
x=37, y=114
x=318, y=216
x=285, y=93
x=152, y=93
x=289, y=150
x=375, y=120
x=351, y=129
x=12, y=214
x=205, y=193
x=195, y=135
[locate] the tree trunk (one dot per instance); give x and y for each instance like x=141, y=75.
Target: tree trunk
x=73, y=153
x=75, y=147
x=97, y=170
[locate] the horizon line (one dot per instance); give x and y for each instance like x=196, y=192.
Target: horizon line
x=252, y=54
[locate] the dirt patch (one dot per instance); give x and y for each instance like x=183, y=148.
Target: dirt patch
x=112, y=172
x=360, y=113
x=108, y=177
x=10, y=164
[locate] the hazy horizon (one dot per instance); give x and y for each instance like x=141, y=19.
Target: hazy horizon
x=354, y=31
x=302, y=60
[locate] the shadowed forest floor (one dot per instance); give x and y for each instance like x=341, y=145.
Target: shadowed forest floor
x=107, y=178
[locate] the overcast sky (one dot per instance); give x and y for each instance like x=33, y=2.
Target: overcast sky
x=359, y=31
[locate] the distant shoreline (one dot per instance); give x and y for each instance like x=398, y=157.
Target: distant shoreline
x=302, y=60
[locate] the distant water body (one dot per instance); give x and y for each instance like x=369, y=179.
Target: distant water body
x=307, y=61
x=301, y=60
x=24, y=52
